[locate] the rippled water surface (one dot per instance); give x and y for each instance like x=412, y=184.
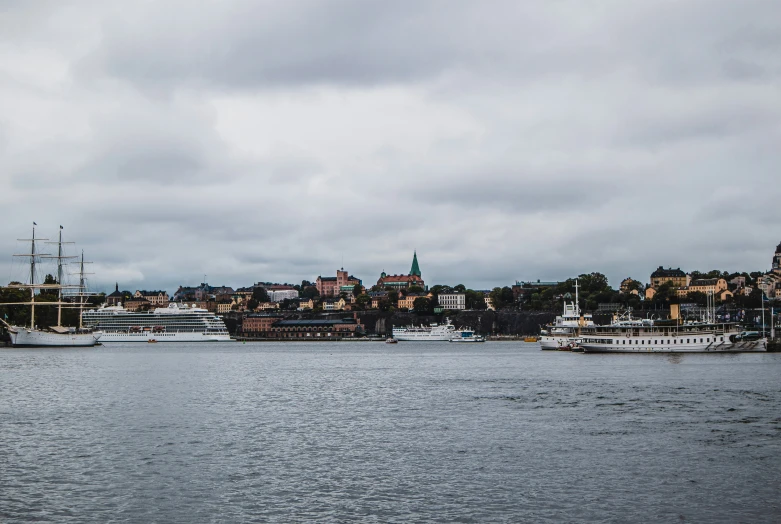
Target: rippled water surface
x=429, y=432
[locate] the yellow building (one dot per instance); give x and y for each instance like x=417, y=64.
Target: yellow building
x=306, y=304
x=408, y=302
x=708, y=285
x=676, y=276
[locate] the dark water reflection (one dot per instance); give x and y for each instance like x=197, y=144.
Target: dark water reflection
x=498, y=432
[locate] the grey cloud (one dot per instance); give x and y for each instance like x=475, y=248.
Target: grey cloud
x=502, y=140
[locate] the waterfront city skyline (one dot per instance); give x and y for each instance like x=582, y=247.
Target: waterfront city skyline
x=279, y=142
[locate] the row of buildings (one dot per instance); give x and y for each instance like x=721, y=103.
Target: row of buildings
x=683, y=283
x=337, y=293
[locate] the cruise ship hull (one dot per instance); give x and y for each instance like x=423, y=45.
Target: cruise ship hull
x=164, y=337
x=23, y=337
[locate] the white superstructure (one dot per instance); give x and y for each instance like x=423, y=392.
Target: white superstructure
x=175, y=323
x=434, y=332
x=466, y=335
x=563, y=329
x=665, y=337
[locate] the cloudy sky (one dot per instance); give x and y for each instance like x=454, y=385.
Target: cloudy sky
x=275, y=141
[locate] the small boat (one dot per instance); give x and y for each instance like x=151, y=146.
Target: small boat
x=530, y=339
x=391, y=340
x=152, y=341
x=467, y=335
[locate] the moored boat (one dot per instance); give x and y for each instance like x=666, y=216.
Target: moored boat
x=466, y=335
x=666, y=336
x=53, y=336
x=433, y=333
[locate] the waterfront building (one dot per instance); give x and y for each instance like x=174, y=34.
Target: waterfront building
x=156, y=298
x=704, y=285
x=676, y=276
x=397, y=282
x=114, y=298
x=331, y=286
x=279, y=292
x=223, y=307
x=334, y=304
x=258, y=325
x=629, y=285
x=489, y=304
x=137, y=304
x=452, y=300
x=408, y=302
x=276, y=327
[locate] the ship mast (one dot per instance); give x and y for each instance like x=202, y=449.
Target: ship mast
x=59, y=258
x=32, y=256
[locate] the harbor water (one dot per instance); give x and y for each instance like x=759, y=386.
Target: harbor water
x=370, y=432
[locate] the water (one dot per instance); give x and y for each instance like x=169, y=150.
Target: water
x=417, y=432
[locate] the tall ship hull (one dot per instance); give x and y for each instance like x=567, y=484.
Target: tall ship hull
x=175, y=323
x=25, y=337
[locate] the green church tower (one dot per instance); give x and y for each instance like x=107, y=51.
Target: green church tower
x=415, y=268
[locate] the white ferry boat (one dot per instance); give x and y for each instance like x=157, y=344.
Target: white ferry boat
x=562, y=331
x=665, y=336
x=434, y=332
x=175, y=323
x=466, y=335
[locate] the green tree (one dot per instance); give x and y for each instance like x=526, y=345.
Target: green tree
x=310, y=292
x=363, y=300
x=422, y=306
x=357, y=290
x=474, y=299
x=460, y=288
x=496, y=298
x=415, y=289
x=260, y=295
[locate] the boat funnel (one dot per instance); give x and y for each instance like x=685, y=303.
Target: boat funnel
x=675, y=311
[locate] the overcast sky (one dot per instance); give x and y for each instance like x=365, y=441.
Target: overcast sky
x=275, y=141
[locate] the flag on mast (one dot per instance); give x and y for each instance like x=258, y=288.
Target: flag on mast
x=35, y=224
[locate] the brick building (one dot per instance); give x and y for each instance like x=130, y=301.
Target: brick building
x=332, y=286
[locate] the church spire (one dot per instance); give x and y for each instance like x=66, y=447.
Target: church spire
x=415, y=268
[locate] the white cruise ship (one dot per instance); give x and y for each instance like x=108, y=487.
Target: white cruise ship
x=443, y=333
x=175, y=323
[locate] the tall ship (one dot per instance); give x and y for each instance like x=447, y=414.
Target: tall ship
x=52, y=336
x=563, y=331
x=666, y=336
x=432, y=333
x=175, y=323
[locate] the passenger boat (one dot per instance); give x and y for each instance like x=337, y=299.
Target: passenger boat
x=563, y=329
x=175, y=323
x=666, y=336
x=467, y=335
x=434, y=332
